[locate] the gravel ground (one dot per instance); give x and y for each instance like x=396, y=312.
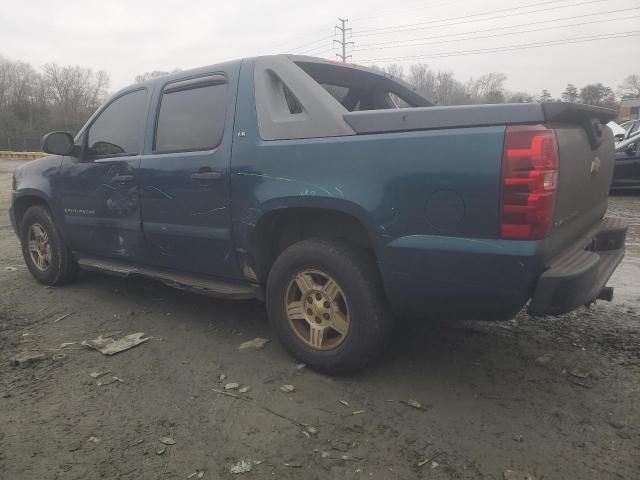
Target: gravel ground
x=554, y=398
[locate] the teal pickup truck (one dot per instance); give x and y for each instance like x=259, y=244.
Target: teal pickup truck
x=304, y=183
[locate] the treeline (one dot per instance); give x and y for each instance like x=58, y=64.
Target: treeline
x=443, y=87
x=34, y=102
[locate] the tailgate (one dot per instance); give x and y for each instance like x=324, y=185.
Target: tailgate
x=586, y=162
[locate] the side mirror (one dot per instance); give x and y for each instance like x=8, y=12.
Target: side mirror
x=58, y=143
x=631, y=149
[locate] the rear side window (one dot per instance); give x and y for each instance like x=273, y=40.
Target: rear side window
x=118, y=129
x=191, y=119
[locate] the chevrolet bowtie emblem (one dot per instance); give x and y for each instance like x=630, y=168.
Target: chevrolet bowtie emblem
x=595, y=166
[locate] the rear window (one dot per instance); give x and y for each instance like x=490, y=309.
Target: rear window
x=337, y=91
x=357, y=88
x=191, y=119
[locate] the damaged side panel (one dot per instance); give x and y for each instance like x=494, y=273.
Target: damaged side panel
x=100, y=206
x=186, y=217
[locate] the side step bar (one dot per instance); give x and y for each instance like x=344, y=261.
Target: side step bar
x=183, y=281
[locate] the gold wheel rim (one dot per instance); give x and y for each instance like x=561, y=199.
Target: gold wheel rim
x=317, y=310
x=39, y=247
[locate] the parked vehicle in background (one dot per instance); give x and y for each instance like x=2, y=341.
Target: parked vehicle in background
x=618, y=132
x=626, y=174
x=632, y=127
x=299, y=181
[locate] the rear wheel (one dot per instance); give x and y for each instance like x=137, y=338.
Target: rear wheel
x=327, y=305
x=43, y=248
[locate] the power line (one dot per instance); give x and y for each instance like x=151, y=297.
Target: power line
x=491, y=12
x=312, y=51
x=363, y=33
x=511, y=47
x=323, y=53
x=311, y=43
x=445, y=35
x=343, y=43
x=497, y=34
x=398, y=12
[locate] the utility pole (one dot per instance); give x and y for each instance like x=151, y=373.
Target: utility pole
x=343, y=43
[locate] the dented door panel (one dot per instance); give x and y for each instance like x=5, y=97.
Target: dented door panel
x=185, y=191
x=99, y=201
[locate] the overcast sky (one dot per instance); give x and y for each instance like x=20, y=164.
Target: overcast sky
x=126, y=38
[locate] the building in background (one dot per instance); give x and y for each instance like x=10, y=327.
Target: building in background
x=629, y=109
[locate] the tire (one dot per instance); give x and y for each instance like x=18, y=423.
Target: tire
x=60, y=267
x=360, y=294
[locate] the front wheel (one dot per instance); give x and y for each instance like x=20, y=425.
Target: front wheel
x=43, y=248
x=326, y=303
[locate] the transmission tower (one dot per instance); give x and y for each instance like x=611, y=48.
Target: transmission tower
x=342, y=28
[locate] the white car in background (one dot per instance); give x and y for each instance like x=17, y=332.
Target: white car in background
x=617, y=129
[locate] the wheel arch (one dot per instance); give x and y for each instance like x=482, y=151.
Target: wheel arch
x=288, y=221
x=25, y=200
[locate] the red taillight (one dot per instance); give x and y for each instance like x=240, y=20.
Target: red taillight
x=529, y=182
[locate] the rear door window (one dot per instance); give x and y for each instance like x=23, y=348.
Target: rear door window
x=119, y=128
x=191, y=118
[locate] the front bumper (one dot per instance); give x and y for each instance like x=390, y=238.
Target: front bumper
x=578, y=275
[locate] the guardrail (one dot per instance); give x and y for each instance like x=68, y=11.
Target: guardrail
x=24, y=155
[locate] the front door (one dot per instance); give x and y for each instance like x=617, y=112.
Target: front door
x=185, y=175
x=99, y=191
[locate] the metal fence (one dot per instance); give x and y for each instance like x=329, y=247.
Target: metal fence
x=20, y=144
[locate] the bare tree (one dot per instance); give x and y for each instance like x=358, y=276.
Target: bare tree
x=422, y=78
x=74, y=93
x=395, y=70
x=449, y=91
x=154, y=74
x=518, y=97
x=545, y=97
x=630, y=88
x=598, y=94
x=570, y=93
x=489, y=88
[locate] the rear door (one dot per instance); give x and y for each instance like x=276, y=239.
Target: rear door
x=99, y=192
x=185, y=175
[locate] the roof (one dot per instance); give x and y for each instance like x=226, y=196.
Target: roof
x=630, y=102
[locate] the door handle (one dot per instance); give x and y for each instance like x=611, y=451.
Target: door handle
x=122, y=178
x=206, y=175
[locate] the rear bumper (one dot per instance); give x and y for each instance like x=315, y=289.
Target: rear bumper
x=462, y=278
x=578, y=275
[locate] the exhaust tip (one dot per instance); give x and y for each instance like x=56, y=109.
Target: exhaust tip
x=606, y=294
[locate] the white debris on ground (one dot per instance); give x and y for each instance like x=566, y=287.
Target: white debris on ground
x=244, y=465
x=255, y=344
x=167, y=440
x=413, y=403
x=515, y=475
x=109, y=346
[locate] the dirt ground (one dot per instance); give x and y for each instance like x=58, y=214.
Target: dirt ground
x=555, y=398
